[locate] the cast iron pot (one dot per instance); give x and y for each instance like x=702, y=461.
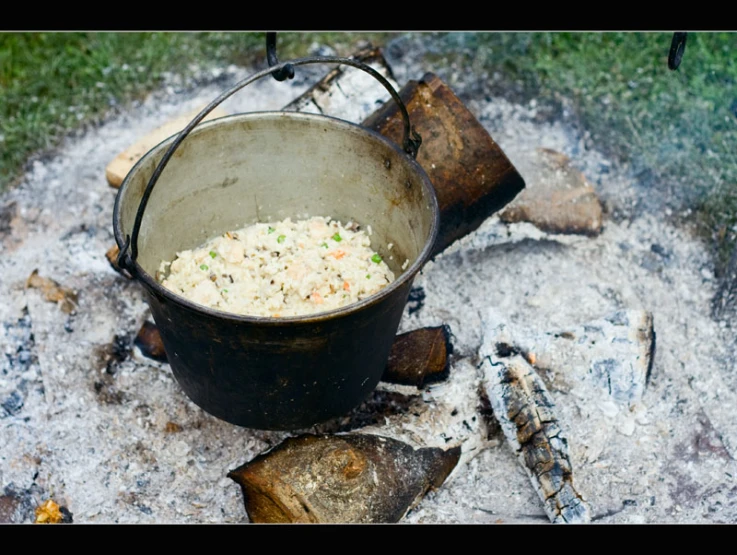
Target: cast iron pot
x=276, y=373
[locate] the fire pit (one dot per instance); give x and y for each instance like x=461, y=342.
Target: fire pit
x=159, y=457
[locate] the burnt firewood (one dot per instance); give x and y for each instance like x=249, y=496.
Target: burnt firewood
x=340, y=479
x=347, y=92
x=472, y=176
x=527, y=415
x=148, y=340
x=613, y=353
x=419, y=357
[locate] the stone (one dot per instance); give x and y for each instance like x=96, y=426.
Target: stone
x=557, y=197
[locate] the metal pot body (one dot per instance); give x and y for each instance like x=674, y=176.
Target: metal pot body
x=278, y=373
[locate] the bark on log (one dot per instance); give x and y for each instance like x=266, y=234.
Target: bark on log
x=351, y=478
x=472, y=176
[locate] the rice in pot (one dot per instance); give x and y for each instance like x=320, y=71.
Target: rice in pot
x=280, y=269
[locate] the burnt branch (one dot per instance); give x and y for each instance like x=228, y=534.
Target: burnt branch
x=526, y=413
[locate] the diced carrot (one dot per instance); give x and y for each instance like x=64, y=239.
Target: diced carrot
x=316, y=298
x=346, y=286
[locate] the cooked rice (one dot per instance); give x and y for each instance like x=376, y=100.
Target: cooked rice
x=280, y=269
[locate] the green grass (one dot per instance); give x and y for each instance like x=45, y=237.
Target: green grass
x=676, y=127
x=679, y=128
x=51, y=83
x=630, y=102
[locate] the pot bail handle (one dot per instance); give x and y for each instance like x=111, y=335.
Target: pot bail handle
x=410, y=143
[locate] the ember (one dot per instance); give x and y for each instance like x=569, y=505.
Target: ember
x=51, y=513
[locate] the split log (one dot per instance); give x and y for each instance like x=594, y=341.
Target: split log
x=118, y=168
x=419, y=357
x=350, y=478
x=472, y=176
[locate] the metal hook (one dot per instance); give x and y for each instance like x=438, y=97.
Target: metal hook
x=677, y=48
x=285, y=73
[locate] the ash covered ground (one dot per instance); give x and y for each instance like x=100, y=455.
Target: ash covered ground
x=85, y=420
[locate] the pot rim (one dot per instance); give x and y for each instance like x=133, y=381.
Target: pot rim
x=407, y=275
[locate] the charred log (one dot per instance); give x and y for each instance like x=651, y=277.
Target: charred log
x=472, y=176
x=340, y=479
x=419, y=357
